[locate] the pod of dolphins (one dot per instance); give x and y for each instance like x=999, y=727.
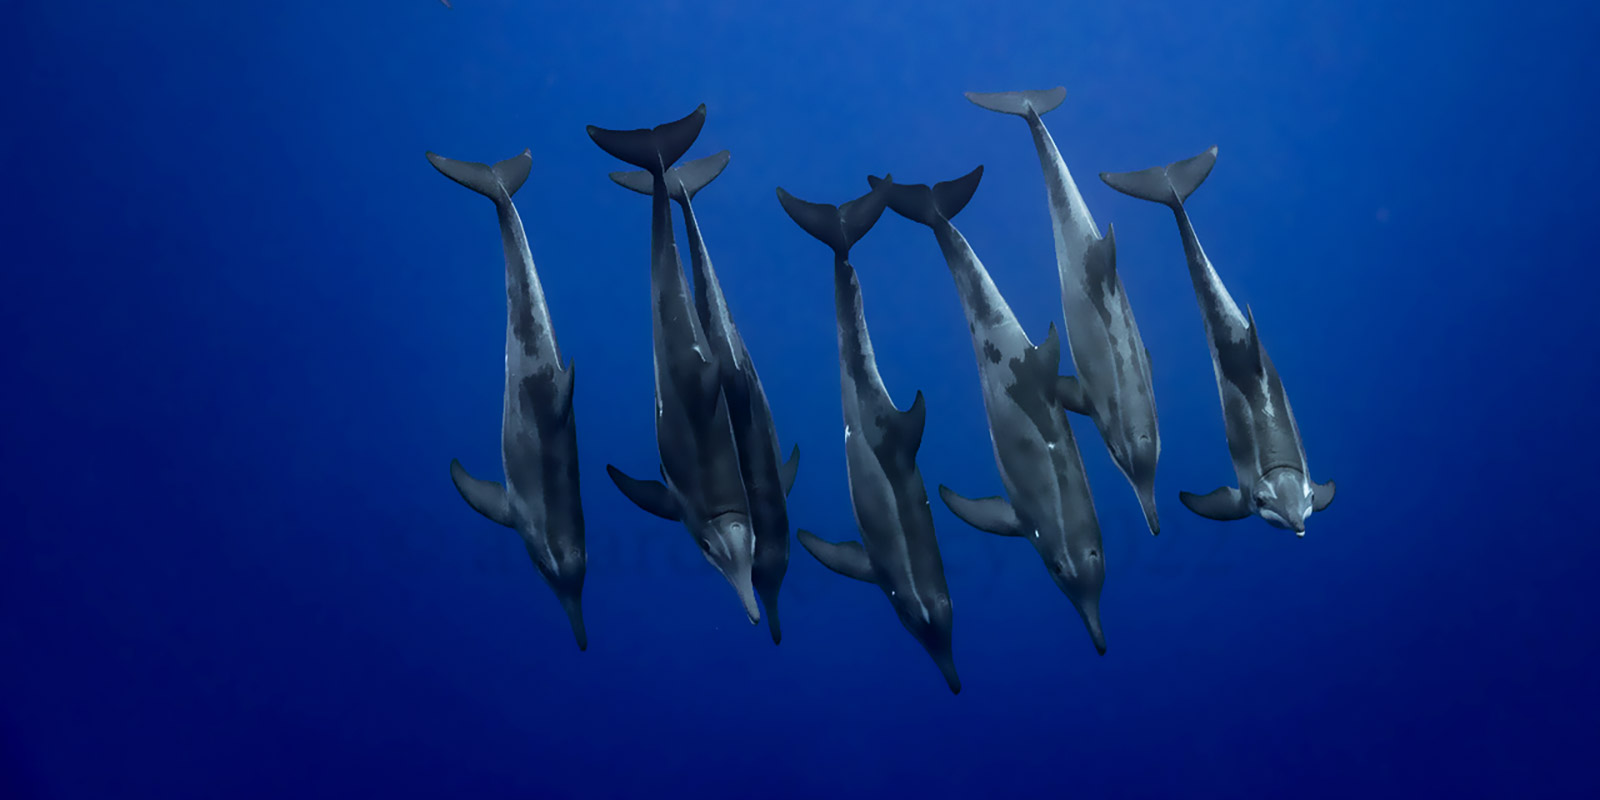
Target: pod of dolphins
x=721, y=471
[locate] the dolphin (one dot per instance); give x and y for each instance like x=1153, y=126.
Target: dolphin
x=1034, y=448
x=767, y=479
x=1263, y=439
x=1112, y=384
x=538, y=432
x=699, y=461
x=898, y=551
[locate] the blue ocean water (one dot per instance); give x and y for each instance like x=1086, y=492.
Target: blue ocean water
x=248, y=326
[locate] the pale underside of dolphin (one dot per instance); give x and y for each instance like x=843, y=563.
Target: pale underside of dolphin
x=694, y=436
x=767, y=479
x=1035, y=451
x=1269, y=458
x=898, y=551
x=539, y=446
x=1113, y=384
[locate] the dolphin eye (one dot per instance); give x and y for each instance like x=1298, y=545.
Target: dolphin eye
x=705, y=545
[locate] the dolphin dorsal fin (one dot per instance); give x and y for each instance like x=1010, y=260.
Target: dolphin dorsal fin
x=1045, y=357
x=908, y=425
x=1101, y=265
x=1255, y=341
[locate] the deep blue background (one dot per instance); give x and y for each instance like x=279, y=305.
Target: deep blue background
x=247, y=326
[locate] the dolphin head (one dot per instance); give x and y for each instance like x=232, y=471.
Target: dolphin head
x=1080, y=572
x=564, y=572
x=728, y=542
x=930, y=621
x=1137, y=459
x=1283, y=498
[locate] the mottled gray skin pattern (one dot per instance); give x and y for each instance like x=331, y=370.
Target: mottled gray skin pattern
x=1034, y=447
x=887, y=494
x=755, y=434
x=539, y=446
x=1108, y=354
x=898, y=551
x=694, y=433
x=1264, y=442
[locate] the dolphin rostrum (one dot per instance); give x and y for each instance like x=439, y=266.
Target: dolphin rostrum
x=1038, y=457
x=898, y=551
x=767, y=479
x=1113, y=384
x=538, y=434
x=1263, y=439
x=694, y=437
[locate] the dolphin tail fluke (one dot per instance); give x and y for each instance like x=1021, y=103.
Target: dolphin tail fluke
x=838, y=227
x=498, y=182
x=928, y=205
x=690, y=176
x=653, y=149
x=1042, y=101
x=1169, y=185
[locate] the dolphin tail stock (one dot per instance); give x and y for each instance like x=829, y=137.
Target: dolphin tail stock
x=683, y=181
x=1041, y=101
x=1169, y=185
x=498, y=182
x=838, y=227
x=928, y=205
x=653, y=149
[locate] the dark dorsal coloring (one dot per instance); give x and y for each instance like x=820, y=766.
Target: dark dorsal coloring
x=1269, y=458
x=694, y=436
x=898, y=551
x=767, y=479
x=538, y=440
x=1040, y=467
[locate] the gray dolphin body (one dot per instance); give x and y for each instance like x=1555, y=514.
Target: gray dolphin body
x=1263, y=439
x=1040, y=466
x=694, y=437
x=538, y=434
x=898, y=551
x=767, y=479
x=1113, y=382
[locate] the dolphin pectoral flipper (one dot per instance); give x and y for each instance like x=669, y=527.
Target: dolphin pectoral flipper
x=1070, y=395
x=486, y=497
x=652, y=496
x=846, y=558
x=1321, y=495
x=991, y=514
x=789, y=469
x=1224, y=505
